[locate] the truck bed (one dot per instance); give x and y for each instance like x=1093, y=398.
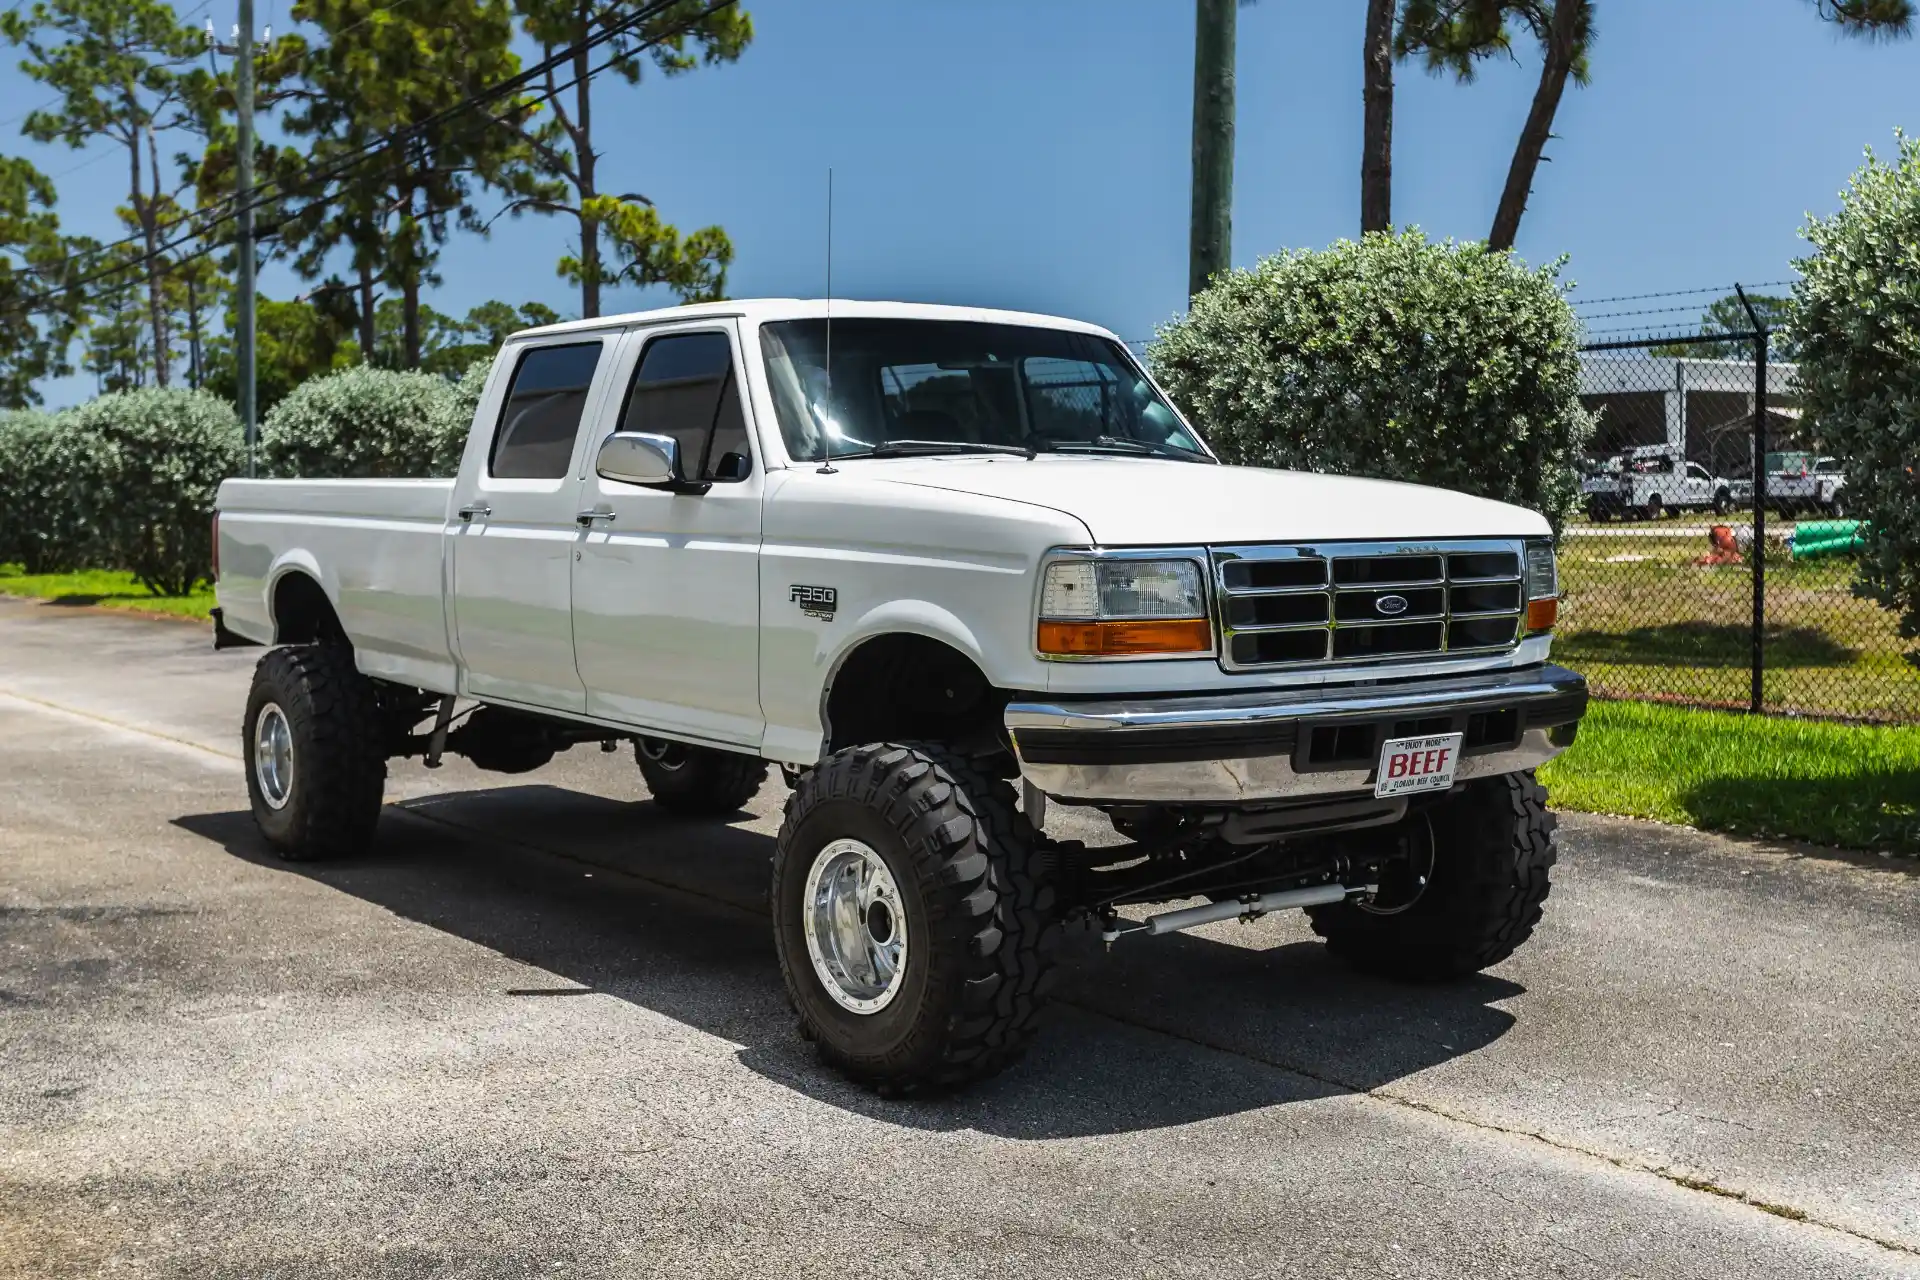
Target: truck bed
x=377, y=546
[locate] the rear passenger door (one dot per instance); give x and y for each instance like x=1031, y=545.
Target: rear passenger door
x=514, y=536
x=666, y=589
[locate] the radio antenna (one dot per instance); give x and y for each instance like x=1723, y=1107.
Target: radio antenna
x=826, y=428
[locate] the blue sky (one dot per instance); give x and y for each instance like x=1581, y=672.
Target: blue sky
x=1036, y=154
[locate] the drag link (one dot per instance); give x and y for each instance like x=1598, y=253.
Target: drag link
x=1246, y=910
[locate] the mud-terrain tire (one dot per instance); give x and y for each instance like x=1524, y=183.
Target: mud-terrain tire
x=981, y=929
x=313, y=746
x=698, y=782
x=1493, y=848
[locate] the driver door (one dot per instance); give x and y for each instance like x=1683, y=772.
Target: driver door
x=666, y=585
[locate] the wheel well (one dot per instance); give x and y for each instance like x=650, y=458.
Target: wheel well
x=911, y=687
x=302, y=613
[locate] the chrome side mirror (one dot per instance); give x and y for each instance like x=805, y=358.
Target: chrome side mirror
x=636, y=457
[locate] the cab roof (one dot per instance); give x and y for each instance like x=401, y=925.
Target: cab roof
x=764, y=310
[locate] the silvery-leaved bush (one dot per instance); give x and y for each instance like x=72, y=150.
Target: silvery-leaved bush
x=360, y=422
x=148, y=465
x=1857, y=315
x=47, y=522
x=456, y=417
x=1393, y=357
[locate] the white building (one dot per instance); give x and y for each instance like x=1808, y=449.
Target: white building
x=1704, y=407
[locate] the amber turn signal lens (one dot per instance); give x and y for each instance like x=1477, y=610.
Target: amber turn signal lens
x=1541, y=614
x=1125, y=639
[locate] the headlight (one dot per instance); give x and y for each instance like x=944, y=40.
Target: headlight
x=1543, y=587
x=1119, y=608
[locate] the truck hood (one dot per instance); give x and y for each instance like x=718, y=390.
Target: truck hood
x=1156, y=502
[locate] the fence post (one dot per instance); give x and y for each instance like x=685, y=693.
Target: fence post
x=1758, y=701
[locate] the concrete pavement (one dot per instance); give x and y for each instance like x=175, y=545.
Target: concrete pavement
x=540, y=1031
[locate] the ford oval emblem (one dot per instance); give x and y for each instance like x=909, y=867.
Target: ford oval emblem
x=1392, y=606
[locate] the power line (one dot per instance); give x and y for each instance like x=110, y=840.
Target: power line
x=9, y=122
x=503, y=89
x=506, y=87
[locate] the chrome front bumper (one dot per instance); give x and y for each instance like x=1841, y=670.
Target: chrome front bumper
x=1283, y=744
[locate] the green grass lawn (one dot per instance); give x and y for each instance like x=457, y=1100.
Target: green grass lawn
x=1643, y=619
x=109, y=588
x=1850, y=786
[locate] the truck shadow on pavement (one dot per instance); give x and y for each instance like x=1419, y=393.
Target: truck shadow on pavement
x=621, y=899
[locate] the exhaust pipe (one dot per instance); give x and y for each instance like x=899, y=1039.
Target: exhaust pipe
x=1243, y=909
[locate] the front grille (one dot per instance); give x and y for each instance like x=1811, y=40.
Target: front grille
x=1345, y=602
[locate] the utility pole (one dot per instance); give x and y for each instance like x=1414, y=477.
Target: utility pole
x=243, y=167
x=1210, y=248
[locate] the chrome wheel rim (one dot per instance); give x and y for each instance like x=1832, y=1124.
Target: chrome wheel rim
x=856, y=926
x=273, y=755
x=663, y=754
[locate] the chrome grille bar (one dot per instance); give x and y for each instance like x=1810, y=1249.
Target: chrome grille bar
x=1307, y=604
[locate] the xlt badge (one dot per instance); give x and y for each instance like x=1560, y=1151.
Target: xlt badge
x=815, y=602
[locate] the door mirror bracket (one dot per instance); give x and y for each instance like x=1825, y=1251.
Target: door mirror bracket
x=651, y=461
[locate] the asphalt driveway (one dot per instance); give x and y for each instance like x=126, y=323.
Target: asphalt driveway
x=539, y=1031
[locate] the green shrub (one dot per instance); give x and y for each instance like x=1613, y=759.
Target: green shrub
x=1393, y=357
x=456, y=417
x=1857, y=315
x=156, y=461
x=361, y=422
x=49, y=478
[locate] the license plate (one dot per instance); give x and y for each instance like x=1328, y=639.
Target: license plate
x=1417, y=764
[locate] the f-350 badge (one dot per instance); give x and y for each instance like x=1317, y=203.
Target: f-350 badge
x=815, y=602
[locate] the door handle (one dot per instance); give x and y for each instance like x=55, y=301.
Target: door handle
x=586, y=518
x=472, y=509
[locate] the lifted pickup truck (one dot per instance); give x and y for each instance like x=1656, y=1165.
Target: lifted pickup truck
x=977, y=563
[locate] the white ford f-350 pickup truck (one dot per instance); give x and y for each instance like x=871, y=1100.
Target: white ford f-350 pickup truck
x=970, y=562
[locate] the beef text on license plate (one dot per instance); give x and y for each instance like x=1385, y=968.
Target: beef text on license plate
x=1417, y=764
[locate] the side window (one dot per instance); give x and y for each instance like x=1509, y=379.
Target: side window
x=542, y=415
x=686, y=388
x=1697, y=471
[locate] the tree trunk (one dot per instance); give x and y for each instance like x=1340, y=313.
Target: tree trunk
x=410, y=287
x=163, y=335
x=193, y=334
x=1376, y=142
x=1210, y=229
x=410, y=320
x=367, y=335
x=583, y=159
x=143, y=213
x=1539, y=127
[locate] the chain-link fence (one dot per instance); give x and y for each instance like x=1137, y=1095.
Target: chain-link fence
x=1713, y=564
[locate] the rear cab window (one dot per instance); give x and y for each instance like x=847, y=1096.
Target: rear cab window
x=541, y=416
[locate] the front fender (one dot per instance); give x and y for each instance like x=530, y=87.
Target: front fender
x=898, y=617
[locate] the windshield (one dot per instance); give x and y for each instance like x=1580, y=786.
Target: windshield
x=948, y=386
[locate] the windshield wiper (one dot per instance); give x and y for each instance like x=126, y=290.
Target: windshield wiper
x=1121, y=444
x=931, y=448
